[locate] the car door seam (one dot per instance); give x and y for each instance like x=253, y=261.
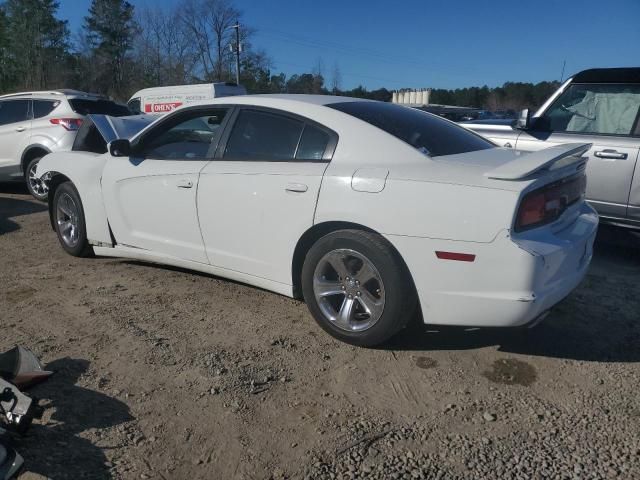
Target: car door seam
x=204, y=245
x=633, y=176
x=315, y=208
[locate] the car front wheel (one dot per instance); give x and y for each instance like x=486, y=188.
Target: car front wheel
x=68, y=216
x=357, y=287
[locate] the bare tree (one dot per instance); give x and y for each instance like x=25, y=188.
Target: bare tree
x=318, y=76
x=209, y=23
x=336, y=78
x=318, y=69
x=164, y=49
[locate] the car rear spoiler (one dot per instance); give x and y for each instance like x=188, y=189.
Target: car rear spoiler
x=529, y=163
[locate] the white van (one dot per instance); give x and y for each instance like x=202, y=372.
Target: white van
x=165, y=99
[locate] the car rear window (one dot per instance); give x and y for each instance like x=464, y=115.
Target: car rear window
x=103, y=107
x=428, y=133
x=42, y=108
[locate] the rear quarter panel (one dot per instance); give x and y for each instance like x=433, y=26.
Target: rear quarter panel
x=418, y=208
x=53, y=137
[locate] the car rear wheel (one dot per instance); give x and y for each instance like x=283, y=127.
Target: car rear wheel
x=68, y=216
x=357, y=287
x=37, y=187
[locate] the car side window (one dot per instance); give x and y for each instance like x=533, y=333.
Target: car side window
x=188, y=138
x=313, y=143
x=263, y=136
x=606, y=109
x=42, y=108
x=13, y=111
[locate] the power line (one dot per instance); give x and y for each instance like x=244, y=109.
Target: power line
x=378, y=56
x=360, y=51
x=416, y=65
x=351, y=75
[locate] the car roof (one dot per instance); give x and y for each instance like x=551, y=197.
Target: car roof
x=608, y=75
x=55, y=94
x=278, y=99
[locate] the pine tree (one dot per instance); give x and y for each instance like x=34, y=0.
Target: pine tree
x=110, y=31
x=34, y=61
x=7, y=68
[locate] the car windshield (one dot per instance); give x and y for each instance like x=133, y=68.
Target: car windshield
x=606, y=109
x=104, y=107
x=428, y=133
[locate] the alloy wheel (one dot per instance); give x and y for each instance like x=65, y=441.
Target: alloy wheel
x=349, y=290
x=67, y=218
x=38, y=186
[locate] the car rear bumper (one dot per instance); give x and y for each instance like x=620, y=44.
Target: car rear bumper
x=511, y=282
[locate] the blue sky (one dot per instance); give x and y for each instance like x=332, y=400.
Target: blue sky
x=438, y=44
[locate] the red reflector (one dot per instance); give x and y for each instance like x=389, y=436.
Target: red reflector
x=461, y=257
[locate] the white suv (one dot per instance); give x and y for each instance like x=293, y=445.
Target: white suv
x=33, y=124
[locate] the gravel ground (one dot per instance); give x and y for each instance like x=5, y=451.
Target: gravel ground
x=167, y=374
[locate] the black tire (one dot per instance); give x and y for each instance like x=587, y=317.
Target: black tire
x=75, y=244
x=37, y=188
x=400, y=297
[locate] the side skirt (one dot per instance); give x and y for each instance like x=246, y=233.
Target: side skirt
x=146, y=256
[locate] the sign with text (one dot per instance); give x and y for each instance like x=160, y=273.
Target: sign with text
x=161, y=107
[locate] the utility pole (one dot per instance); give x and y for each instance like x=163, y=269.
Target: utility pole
x=564, y=64
x=237, y=28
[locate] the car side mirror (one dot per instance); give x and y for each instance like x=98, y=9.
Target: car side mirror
x=120, y=148
x=524, y=120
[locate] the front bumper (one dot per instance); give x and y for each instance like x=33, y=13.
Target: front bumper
x=512, y=281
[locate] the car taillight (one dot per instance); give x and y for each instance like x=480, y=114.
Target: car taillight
x=546, y=204
x=70, y=124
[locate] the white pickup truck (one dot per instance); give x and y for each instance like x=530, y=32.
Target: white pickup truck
x=598, y=106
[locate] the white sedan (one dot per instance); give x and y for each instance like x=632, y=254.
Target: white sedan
x=366, y=210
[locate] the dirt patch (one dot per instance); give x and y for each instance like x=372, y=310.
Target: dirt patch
x=165, y=374
x=511, y=372
x=18, y=295
x=426, y=363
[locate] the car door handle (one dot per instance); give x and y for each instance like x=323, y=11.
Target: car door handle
x=21, y=129
x=612, y=154
x=185, y=184
x=297, y=187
